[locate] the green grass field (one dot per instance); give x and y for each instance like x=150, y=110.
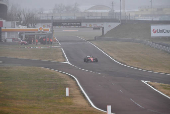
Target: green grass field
x=31, y=90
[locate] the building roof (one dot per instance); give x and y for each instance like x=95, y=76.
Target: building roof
x=99, y=8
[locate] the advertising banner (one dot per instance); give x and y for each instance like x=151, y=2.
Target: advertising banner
x=1, y=23
x=160, y=30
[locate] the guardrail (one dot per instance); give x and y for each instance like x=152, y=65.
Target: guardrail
x=157, y=46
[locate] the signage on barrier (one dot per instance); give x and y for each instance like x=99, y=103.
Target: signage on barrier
x=66, y=23
x=160, y=30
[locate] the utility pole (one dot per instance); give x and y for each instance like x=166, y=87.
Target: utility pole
x=151, y=9
x=112, y=6
x=151, y=4
x=52, y=26
x=120, y=11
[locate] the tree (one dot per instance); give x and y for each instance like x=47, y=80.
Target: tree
x=24, y=17
x=60, y=8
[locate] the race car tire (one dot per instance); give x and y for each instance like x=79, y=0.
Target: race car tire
x=96, y=59
x=85, y=60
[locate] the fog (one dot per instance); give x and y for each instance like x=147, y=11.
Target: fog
x=83, y=4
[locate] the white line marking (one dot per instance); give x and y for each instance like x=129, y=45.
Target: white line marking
x=136, y=103
x=155, y=89
x=58, y=42
x=65, y=55
x=65, y=62
x=121, y=91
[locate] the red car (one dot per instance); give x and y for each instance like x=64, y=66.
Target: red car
x=24, y=42
x=90, y=59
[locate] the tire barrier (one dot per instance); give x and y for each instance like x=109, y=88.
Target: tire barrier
x=156, y=46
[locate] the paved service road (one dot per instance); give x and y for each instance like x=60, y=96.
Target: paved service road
x=118, y=86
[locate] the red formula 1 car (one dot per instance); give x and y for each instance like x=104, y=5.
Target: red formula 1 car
x=90, y=59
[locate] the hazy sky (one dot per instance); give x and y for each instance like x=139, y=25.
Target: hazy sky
x=49, y=4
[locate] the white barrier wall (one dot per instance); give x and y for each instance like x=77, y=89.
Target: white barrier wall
x=160, y=30
x=107, y=26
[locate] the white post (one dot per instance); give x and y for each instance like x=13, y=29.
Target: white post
x=67, y=92
x=108, y=109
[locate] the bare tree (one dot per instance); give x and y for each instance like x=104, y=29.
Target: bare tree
x=29, y=18
x=76, y=8
x=23, y=17
x=13, y=11
x=60, y=8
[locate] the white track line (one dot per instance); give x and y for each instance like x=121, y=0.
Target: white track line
x=136, y=103
x=65, y=55
x=155, y=89
x=58, y=42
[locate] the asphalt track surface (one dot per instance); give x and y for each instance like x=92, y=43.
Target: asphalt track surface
x=106, y=82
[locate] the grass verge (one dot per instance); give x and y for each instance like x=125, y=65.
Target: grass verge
x=32, y=90
x=164, y=88
x=16, y=51
x=137, y=55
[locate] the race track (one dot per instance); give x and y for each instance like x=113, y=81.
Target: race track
x=106, y=82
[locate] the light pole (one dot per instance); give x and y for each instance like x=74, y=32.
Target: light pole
x=120, y=12
x=151, y=9
x=52, y=20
